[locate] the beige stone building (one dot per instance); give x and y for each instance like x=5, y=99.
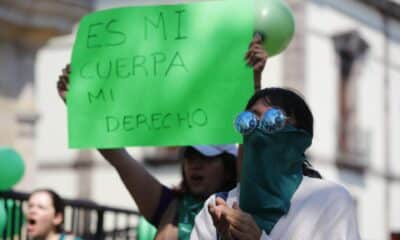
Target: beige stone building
x=26, y=26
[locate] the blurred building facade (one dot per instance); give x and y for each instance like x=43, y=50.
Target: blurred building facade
x=343, y=60
x=26, y=26
x=351, y=78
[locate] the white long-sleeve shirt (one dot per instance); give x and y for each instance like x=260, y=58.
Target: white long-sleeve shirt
x=320, y=210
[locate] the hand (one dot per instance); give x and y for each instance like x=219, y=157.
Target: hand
x=220, y=223
x=63, y=82
x=256, y=56
x=241, y=225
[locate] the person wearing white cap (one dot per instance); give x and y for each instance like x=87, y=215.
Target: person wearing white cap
x=205, y=170
x=214, y=150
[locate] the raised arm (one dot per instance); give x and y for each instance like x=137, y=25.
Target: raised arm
x=143, y=187
x=256, y=57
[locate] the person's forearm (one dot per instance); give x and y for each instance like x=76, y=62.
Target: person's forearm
x=257, y=80
x=117, y=157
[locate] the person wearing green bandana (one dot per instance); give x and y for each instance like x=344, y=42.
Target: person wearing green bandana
x=279, y=196
x=205, y=170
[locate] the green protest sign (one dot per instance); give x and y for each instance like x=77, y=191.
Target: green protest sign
x=160, y=75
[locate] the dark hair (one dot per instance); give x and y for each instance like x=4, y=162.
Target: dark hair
x=309, y=171
x=228, y=161
x=58, y=205
x=294, y=107
x=290, y=102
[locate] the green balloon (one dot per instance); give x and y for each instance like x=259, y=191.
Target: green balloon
x=3, y=219
x=11, y=168
x=14, y=217
x=275, y=21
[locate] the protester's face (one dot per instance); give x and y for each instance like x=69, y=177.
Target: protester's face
x=204, y=176
x=41, y=216
x=260, y=107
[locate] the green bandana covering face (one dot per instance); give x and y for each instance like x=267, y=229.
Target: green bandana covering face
x=271, y=173
x=188, y=209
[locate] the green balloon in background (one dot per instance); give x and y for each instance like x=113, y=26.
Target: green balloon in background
x=3, y=219
x=275, y=21
x=11, y=168
x=14, y=218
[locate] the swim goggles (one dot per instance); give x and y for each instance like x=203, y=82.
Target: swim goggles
x=272, y=121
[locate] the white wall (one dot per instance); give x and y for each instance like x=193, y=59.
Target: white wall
x=324, y=19
x=394, y=76
x=394, y=120
x=51, y=141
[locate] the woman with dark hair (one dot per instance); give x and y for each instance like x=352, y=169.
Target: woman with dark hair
x=275, y=198
x=206, y=170
x=45, y=216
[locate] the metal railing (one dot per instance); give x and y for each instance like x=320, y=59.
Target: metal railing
x=82, y=218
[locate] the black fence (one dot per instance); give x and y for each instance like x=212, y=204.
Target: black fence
x=85, y=219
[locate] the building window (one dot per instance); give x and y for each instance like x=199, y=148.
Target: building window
x=349, y=47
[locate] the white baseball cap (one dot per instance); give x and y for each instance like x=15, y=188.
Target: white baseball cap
x=214, y=150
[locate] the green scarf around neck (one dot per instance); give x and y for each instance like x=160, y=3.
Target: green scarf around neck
x=271, y=173
x=189, y=207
